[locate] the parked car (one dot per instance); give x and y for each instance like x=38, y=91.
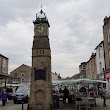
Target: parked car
x=22, y=94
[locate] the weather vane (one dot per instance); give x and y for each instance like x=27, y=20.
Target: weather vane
x=41, y=6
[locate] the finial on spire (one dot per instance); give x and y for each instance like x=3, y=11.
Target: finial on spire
x=41, y=9
x=41, y=6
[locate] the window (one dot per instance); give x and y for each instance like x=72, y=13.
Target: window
x=43, y=51
x=99, y=52
x=83, y=66
x=108, y=34
x=37, y=51
x=100, y=66
x=22, y=80
x=15, y=75
x=109, y=54
x=22, y=74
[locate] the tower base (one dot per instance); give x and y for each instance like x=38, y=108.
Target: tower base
x=39, y=107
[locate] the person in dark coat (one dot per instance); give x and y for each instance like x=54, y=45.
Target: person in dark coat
x=4, y=97
x=104, y=97
x=60, y=90
x=66, y=93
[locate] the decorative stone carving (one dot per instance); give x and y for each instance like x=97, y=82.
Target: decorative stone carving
x=40, y=94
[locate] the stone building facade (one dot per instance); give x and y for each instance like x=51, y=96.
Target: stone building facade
x=91, y=70
x=82, y=70
x=22, y=74
x=77, y=76
x=4, y=76
x=3, y=65
x=55, y=76
x=100, y=60
x=106, y=35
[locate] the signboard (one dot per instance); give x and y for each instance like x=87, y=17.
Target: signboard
x=107, y=75
x=5, y=65
x=40, y=74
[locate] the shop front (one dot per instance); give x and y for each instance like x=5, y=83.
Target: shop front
x=107, y=76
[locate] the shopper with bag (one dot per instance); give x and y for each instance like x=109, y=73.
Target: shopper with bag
x=104, y=97
x=4, y=96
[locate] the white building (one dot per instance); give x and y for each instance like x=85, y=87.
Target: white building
x=55, y=76
x=100, y=60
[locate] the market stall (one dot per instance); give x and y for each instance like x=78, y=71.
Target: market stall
x=81, y=97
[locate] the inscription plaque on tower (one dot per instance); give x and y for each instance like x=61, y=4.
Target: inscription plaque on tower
x=40, y=74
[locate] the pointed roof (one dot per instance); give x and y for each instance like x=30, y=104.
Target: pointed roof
x=41, y=18
x=20, y=66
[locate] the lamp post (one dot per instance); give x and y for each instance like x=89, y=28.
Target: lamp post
x=5, y=83
x=22, y=104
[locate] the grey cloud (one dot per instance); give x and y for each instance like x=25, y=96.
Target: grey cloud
x=75, y=30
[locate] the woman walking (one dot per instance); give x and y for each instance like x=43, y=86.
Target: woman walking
x=4, y=96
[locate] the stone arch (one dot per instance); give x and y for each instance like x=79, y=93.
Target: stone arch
x=40, y=95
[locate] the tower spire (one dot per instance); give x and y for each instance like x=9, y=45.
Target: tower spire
x=41, y=6
x=41, y=9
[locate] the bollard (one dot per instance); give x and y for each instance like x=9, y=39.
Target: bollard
x=55, y=104
x=28, y=107
x=22, y=104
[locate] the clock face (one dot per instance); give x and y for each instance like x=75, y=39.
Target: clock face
x=40, y=29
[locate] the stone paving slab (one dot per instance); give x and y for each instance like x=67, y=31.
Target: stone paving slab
x=0, y=102
x=99, y=101
x=99, y=106
x=11, y=106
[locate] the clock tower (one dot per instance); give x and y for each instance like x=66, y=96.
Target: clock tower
x=41, y=84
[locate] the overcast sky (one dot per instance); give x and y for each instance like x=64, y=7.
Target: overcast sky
x=75, y=31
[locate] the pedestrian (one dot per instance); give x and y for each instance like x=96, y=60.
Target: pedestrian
x=104, y=97
x=94, y=93
x=60, y=90
x=66, y=94
x=82, y=89
x=4, y=97
x=100, y=92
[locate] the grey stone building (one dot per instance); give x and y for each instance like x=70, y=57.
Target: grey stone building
x=22, y=74
x=4, y=76
x=82, y=70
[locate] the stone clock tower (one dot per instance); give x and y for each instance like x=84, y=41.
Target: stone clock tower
x=41, y=85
